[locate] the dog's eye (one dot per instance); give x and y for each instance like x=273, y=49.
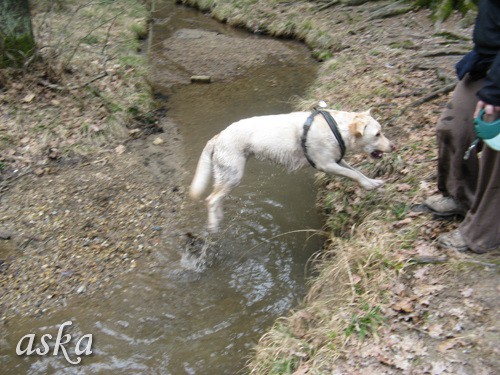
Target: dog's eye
x=377, y=135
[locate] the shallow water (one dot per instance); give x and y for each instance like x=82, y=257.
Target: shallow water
x=188, y=314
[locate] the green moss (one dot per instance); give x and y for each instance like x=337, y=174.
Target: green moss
x=15, y=49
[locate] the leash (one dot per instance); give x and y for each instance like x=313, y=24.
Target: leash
x=487, y=132
x=333, y=127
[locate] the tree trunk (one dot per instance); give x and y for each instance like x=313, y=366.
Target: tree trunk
x=17, y=43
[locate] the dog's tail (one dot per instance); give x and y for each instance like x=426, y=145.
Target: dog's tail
x=203, y=171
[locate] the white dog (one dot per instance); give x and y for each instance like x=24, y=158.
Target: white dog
x=280, y=139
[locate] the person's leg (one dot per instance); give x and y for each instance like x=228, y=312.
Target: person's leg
x=481, y=226
x=457, y=178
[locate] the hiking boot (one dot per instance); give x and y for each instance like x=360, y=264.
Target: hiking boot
x=444, y=206
x=452, y=240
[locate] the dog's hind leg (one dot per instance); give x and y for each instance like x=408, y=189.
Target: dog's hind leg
x=214, y=205
x=226, y=178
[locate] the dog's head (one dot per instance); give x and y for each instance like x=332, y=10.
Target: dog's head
x=367, y=135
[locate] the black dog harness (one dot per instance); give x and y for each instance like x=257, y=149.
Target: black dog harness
x=334, y=128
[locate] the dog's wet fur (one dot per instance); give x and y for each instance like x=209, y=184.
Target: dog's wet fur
x=277, y=138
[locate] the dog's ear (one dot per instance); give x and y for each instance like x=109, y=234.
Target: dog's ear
x=357, y=126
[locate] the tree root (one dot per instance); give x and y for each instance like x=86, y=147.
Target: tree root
x=445, y=53
x=340, y=2
x=443, y=90
x=391, y=10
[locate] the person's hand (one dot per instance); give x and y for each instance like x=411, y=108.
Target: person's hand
x=492, y=112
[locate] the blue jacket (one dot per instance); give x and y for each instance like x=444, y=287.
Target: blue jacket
x=484, y=60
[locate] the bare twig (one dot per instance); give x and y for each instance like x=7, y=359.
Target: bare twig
x=74, y=87
x=88, y=34
x=70, y=21
x=102, y=75
x=105, y=46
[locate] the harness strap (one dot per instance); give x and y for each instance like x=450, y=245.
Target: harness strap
x=307, y=126
x=333, y=127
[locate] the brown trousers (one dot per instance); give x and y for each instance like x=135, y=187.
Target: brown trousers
x=474, y=182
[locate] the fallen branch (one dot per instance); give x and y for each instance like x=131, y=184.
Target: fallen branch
x=102, y=75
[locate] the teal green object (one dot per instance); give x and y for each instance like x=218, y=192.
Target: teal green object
x=489, y=132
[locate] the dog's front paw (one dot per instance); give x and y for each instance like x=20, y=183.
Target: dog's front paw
x=371, y=184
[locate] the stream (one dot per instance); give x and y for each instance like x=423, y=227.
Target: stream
x=187, y=314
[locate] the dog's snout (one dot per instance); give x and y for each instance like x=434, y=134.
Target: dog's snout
x=393, y=147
